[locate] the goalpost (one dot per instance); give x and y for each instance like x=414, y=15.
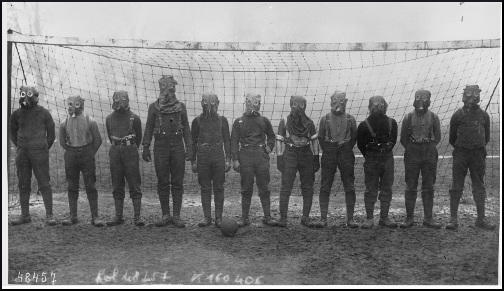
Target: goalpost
x=94, y=69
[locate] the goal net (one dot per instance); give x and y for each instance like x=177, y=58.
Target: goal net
x=60, y=67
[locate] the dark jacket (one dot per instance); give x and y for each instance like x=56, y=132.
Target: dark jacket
x=118, y=124
x=432, y=130
x=470, y=128
x=32, y=128
x=380, y=125
x=251, y=130
x=207, y=131
x=169, y=125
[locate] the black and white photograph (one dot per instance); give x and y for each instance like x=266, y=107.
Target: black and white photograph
x=250, y=145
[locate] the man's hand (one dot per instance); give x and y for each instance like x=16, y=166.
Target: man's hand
x=236, y=166
x=227, y=166
x=146, y=155
x=316, y=163
x=187, y=156
x=267, y=149
x=194, y=167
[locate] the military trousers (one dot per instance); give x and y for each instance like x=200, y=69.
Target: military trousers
x=297, y=160
x=211, y=176
x=169, y=163
x=77, y=160
x=124, y=164
x=36, y=160
x=378, y=177
x=254, y=165
x=475, y=161
x=420, y=159
x=341, y=158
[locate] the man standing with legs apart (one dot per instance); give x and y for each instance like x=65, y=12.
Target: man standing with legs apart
x=469, y=134
x=33, y=134
x=252, y=140
x=420, y=133
x=337, y=136
x=80, y=138
x=167, y=122
x=211, y=157
x=299, y=137
x=376, y=137
x=124, y=130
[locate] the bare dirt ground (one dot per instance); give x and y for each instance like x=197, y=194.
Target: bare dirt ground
x=84, y=254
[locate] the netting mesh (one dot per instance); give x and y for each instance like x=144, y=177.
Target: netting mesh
x=95, y=72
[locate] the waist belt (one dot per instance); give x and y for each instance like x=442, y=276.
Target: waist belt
x=208, y=145
x=125, y=143
x=245, y=145
x=79, y=148
x=420, y=141
x=293, y=146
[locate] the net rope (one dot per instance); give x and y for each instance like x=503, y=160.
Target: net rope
x=95, y=72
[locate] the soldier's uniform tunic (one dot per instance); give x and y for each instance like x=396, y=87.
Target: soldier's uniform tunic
x=250, y=135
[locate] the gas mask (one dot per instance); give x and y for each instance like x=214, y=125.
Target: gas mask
x=210, y=104
x=75, y=105
x=120, y=101
x=471, y=96
x=28, y=96
x=338, y=102
x=167, y=89
x=422, y=101
x=252, y=103
x=377, y=105
x=297, y=105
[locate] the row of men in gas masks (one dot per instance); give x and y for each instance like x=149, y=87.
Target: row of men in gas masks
x=213, y=151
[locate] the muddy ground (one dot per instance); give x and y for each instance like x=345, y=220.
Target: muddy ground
x=84, y=254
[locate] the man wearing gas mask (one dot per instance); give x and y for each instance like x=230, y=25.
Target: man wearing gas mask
x=124, y=130
x=337, y=136
x=211, y=156
x=167, y=122
x=469, y=134
x=420, y=133
x=297, y=150
x=80, y=138
x=32, y=132
x=252, y=140
x=376, y=137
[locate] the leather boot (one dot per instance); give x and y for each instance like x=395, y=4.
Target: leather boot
x=454, y=204
x=350, y=214
x=384, y=219
x=369, y=223
x=48, y=204
x=137, y=206
x=24, y=200
x=166, y=218
x=481, y=221
x=118, y=218
x=410, y=213
x=219, y=208
x=266, y=205
x=177, y=206
x=428, y=203
x=72, y=217
x=95, y=218
x=305, y=220
x=283, y=221
x=244, y=221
